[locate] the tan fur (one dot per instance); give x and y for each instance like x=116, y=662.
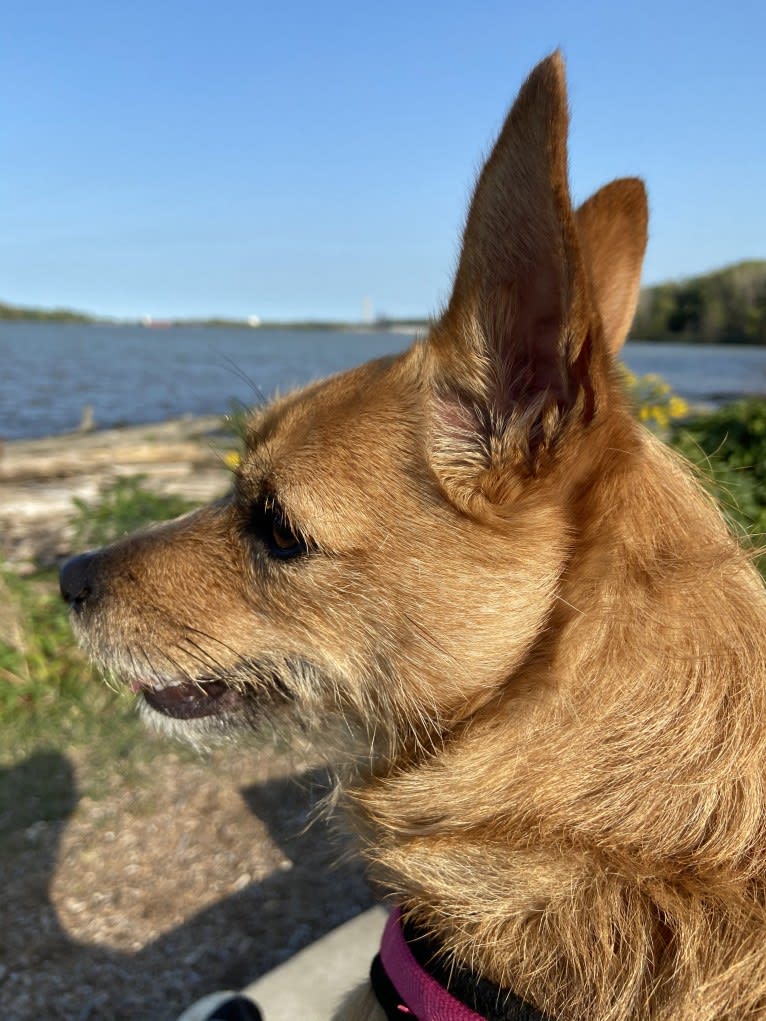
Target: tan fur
x=521, y=633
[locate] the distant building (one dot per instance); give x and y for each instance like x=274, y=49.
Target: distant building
x=254, y=321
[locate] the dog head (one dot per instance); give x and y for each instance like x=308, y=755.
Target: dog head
x=397, y=538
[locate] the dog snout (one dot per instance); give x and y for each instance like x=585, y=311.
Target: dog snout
x=77, y=580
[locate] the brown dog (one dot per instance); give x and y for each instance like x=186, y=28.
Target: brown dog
x=505, y=612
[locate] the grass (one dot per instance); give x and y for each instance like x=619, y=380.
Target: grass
x=729, y=446
x=53, y=706
x=52, y=702
x=47, y=687
x=43, y=677
x=124, y=505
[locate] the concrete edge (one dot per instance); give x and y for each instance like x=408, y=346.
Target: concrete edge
x=312, y=983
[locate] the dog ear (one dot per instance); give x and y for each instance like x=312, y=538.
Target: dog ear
x=612, y=226
x=512, y=354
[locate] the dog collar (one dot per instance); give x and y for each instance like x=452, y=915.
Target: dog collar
x=406, y=990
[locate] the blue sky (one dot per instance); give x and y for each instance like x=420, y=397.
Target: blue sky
x=187, y=158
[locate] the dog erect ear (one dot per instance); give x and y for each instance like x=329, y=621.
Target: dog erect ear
x=612, y=226
x=513, y=356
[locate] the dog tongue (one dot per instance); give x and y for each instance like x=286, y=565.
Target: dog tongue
x=185, y=701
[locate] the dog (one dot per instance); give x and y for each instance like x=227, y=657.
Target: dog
x=508, y=616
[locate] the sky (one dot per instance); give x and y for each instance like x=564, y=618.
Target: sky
x=296, y=160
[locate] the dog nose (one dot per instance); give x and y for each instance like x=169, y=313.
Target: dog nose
x=76, y=579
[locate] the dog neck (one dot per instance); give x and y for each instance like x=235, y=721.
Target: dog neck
x=411, y=978
x=530, y=832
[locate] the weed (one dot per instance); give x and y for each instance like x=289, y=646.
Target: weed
x=124, y=505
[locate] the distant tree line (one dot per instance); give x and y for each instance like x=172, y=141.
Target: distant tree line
x=724, y=307
x=58, y=315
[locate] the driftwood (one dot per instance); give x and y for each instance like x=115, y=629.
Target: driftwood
x=39, y=478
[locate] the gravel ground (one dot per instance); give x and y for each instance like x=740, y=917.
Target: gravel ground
x=195, y=876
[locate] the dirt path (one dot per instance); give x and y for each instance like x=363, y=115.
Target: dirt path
x=194, y=877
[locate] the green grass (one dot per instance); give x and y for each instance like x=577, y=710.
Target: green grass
x=729, y=446
x=124, y=505
x=46, y=684
x=52, y=702
x=53, y=706
x=41, y=671
x=50, y=696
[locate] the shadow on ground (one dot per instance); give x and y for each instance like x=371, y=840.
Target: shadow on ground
x=45, y=973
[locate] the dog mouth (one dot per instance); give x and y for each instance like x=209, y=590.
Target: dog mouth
x=190, y=700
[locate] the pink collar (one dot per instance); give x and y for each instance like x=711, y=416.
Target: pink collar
x=422, y=996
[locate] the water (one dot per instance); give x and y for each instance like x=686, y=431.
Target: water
x=131, y=374
x=49, y=372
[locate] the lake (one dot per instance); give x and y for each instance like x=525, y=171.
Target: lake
x=129, y=374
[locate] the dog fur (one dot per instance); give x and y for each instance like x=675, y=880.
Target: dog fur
x=508, y=616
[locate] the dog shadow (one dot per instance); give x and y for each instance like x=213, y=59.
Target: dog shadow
x=46, y=973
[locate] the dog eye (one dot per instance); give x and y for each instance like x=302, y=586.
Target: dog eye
x=284, y=542
x=277, y=533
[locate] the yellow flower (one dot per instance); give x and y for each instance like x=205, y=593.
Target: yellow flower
x=232, y=459
x=655, y=400
x=677, y=407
